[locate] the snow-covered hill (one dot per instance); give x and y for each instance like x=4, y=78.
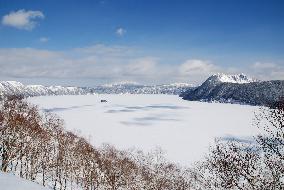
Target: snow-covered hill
x=236, y=89
x=17, y=88
x=11, y=182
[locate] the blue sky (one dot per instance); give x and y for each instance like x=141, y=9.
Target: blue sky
x=92, y=42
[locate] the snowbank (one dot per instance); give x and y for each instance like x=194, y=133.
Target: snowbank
x=12, y=182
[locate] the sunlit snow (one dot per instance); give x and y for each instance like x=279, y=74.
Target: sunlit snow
x=182, y=128
x=9, y=181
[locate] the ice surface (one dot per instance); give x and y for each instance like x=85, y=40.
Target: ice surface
x=182, y=128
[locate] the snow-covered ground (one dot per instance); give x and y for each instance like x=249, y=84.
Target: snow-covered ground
x=11, y=182
x=182, y=128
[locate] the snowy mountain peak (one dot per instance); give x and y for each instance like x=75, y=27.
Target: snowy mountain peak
x=224, y=78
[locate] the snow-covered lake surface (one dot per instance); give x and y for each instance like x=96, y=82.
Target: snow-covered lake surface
x=182, y=128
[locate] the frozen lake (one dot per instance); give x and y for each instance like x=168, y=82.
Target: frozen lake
x=182, y=128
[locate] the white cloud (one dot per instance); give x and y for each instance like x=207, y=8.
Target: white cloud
x=104, y=64
x=99, y=63
x=197, y=67
x=22, y=19
x=145, y=66
x=101, y=49
x=43, y=39
x=198, y=70
x=260, y=65
x=120, y=31
x=267, y=71
x=91, y=62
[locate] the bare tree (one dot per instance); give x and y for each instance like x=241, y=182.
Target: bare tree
x=271, y=121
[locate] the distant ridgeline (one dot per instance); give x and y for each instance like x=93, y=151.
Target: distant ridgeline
x=16, y=88
x=236, y=89
x=217, y=88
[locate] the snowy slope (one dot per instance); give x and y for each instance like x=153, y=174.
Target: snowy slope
x=17, y=88
x=11, y=87
x=12, y=182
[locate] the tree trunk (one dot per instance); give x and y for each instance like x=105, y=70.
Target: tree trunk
x=4, y=166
